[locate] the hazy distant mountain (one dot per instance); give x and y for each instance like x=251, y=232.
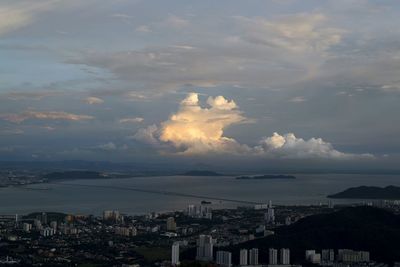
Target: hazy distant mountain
x=266, y=176
x=201, y=173
x=72, y=175
x=149, y=167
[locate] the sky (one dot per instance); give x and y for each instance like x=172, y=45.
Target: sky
x=262, y=83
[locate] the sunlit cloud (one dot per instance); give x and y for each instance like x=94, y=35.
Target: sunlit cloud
x=197, y=130
x=288, y=146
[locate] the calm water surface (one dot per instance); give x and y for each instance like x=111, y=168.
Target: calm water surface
x=306, y=189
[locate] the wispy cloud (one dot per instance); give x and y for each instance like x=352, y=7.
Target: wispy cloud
x=17, y=14
x=93, y=100
x=29, y=95
x=143, y=28
x=297, y=99
x=44, y=115
x=176, y=22
x=131, y=120
x=301, y=33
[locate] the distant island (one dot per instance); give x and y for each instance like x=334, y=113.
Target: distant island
x=201, y=173
x=369, y=192
x=266, y=176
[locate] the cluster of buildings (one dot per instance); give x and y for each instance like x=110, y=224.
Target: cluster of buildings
x=199, y=211
x=276, y=258
x=113, y=215
x=248, y=257
x=342, y=258
x=117, y=239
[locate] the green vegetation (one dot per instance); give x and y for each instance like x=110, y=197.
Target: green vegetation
x=152, y=254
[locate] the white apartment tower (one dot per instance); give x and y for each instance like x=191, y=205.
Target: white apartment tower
x=270, y=216
x=253, y=256
x=285, y=256
x=243, y=257
x=273, y=256
x=224, y=258
x=175, y=254
x=205, y=248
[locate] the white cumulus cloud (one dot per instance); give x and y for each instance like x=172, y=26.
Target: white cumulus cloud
x=289, y=146
x=147, y=135
x=197, y=130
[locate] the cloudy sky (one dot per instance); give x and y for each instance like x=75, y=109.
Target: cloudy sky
x=257, y=81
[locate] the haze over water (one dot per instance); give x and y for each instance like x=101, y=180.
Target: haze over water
x=305, y=190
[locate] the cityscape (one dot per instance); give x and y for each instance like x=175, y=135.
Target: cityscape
x=196, y=236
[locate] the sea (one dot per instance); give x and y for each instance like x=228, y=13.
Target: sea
x=142, y=195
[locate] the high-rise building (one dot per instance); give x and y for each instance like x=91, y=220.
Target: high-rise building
x=53, y=224
x=273, y=256
x=205, y=245
x=285, y=256
x=47, y=232
x=201, y=212
x=253, y=256
x=112, y=215
x=224, y=258
x=171, y=224
x=38, y=224
x=27, y=227
x=243, y=257
x=270, y=216
x=191, y=211
x=175, y=254
x=43, y=218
